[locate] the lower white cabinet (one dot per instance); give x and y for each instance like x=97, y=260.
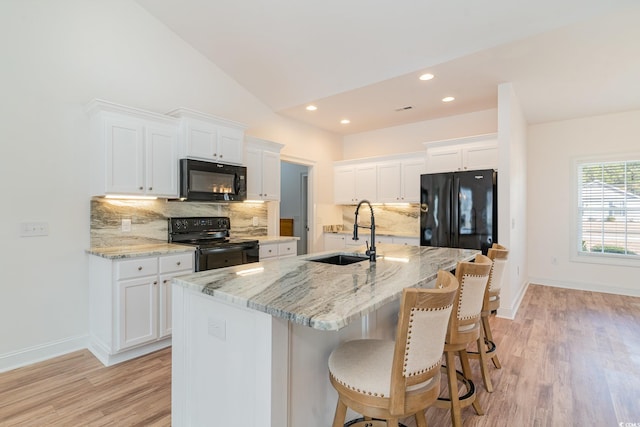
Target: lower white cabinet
x=336, y=241
x=269, y=250
x=130, y=304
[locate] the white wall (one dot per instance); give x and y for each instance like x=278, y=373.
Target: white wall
x=552, y=150
x=56, y=57
x=512, y=197
x=409, y=138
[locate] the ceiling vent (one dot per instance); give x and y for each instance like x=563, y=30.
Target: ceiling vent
x=405, y=108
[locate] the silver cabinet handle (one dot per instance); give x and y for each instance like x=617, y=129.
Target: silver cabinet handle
x=140, y=268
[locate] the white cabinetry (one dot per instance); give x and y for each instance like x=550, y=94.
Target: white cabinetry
x=262, y=159
x=473, y=153
x=134, y=152
x=353, y=183
x=339, y=242
x=399, y=180
x=272, y=250
x=206, y=137
x=130, y=304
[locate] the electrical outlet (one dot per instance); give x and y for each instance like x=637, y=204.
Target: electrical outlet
x=31, y=229
x=255, y=221
x=126, y=225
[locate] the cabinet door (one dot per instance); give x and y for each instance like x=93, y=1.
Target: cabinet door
x=202, y=140
x=444, y=159
x=411, y=171
x=270, y=175
x=137, y=302
x=164, y=302
x=344, y=185
x=366, y=183
x=333, y=242
x=268, y=250
x=230, y=145
x=253, y=161
x=125, y=156
x=161, y=161
x=483, y=156
x=389, y=183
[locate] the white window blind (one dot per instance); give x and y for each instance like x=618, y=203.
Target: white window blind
x=609, y=208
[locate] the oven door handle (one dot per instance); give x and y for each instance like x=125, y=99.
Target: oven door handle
x=234, y=248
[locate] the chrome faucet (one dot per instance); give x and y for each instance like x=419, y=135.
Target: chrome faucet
x=371, y=250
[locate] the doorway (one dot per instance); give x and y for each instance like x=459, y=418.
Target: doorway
x=294, y=200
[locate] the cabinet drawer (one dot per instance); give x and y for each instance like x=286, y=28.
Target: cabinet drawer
x=287, y=249
x=268, y=250
x=138, y=267
x=179, y=262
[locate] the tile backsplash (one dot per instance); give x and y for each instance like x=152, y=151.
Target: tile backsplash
x=394, y=220
x=149, y=219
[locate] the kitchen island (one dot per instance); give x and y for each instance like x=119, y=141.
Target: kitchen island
x=251, y=342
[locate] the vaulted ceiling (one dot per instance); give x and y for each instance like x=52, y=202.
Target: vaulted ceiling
x=361, y=59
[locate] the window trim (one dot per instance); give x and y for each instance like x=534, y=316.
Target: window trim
x=577, y=255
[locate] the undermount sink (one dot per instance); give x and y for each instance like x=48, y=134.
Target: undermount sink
x=341, y=259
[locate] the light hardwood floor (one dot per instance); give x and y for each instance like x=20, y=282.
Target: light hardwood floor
x=570, y=358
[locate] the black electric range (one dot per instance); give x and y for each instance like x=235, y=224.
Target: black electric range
x=214, y=246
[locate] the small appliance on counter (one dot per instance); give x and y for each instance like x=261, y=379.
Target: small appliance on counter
x=214, y=247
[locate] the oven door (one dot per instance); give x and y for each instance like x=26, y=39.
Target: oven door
x=226, y=256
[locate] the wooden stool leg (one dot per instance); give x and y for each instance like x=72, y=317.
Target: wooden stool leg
x=484, y=364
x=487, y=332
x=466, y=370
x=341, y=414
x=421, y=420
x=452, y=378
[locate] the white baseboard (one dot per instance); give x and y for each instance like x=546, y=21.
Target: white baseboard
x=111, y=359
x=510, y=312
x=42, y=352
x=582, y=286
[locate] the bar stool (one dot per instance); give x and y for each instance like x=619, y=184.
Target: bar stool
x=486, y=347
x=387, y=380
x=464, y=329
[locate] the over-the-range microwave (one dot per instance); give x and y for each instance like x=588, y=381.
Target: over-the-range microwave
x=209, y=182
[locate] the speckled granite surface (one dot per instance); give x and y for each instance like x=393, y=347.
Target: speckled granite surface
x=324, y=296
x=141, y=250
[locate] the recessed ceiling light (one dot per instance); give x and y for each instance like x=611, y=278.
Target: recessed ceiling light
x=311, y=108
x=448, y=99
x=345, y=121
x=426, y=76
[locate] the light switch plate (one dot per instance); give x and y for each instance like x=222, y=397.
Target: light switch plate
x=126, y=224
x=31, y=229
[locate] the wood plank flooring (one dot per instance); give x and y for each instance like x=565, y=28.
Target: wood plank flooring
x=570, y=358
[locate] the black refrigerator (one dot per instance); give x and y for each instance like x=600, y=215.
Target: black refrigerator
x=459, y=209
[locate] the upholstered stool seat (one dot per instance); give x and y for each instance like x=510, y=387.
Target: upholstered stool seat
x=464, y=329
x=363, y=366
x=486, y=346
x=390, y=380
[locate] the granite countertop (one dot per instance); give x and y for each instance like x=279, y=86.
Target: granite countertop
x=156, y=248
x=276, y=239
x=133, y=251
x=325, y=296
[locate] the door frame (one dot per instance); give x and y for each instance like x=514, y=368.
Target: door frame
x=311, y=195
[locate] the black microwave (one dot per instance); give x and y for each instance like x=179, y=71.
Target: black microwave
x=212, y=182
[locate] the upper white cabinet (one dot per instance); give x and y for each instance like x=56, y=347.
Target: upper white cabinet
x=262, y=159
x=389, y=179
x=473, y=153
x=399, y=180
x=353, y=183
x=134, y=152
x=206, y=137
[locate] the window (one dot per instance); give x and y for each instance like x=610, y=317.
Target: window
x=609, y=209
